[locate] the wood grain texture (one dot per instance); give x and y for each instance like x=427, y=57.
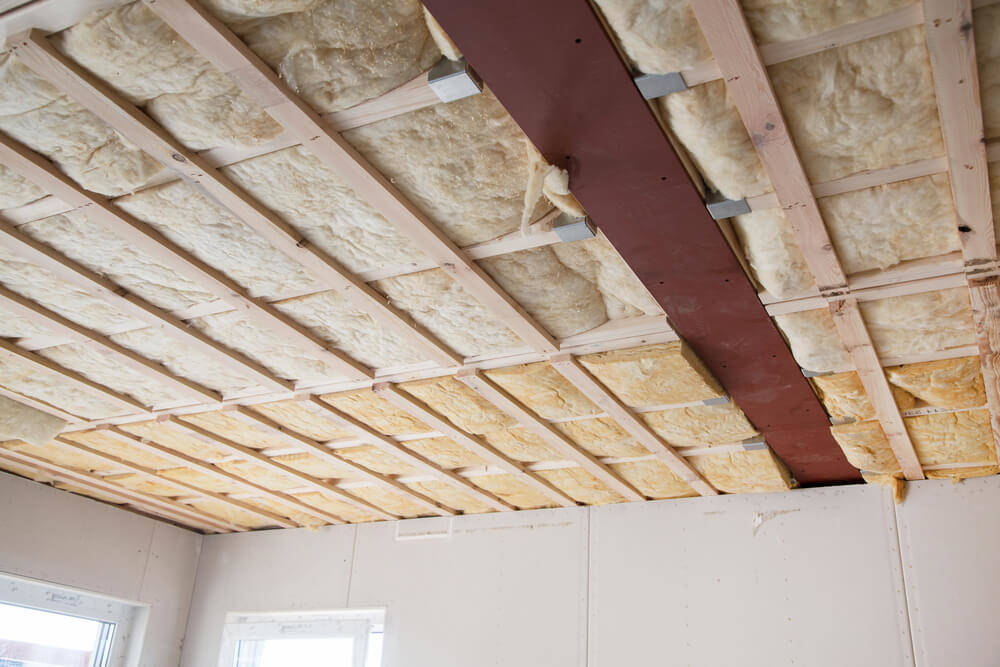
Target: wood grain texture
x=985, y=298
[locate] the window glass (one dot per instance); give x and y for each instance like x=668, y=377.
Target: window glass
x=36, y=638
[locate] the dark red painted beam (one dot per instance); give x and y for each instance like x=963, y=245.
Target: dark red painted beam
x=555, y=69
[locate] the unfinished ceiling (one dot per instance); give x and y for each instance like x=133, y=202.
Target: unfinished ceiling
x=255, y=272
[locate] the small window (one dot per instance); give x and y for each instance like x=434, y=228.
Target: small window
x=348, y=638
x=42, y=625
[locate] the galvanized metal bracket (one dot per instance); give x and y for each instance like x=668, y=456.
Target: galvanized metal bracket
x=570, y=229
x=657, y=85
x=756, y=442
x=718, y=400
x=720, y=208
x=840, y=421
x=453, y=79
x=815, y=374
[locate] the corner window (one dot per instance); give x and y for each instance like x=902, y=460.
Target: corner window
x=348, y=638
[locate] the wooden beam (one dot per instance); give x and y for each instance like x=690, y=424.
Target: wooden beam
x=185, y=461
x=129, y=304
x=73, y=378
x=393, y=448
x=580, y=378
x=985, y=299
x=779, y=52
x=37, y=404
x=42, y=173
x=317, y=449
x=529, y=421
x=151, y=474
x=728, y=35
x=38, y=54
x=249, y=454
x=475, y=444
x=230, y=55
x=42, y=317
x=851, y=328
x=153, y=503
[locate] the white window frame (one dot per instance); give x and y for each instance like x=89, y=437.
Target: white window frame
x=357, y=624
x=129, y=617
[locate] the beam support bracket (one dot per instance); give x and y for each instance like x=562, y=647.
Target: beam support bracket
x=657, y=85
x=570, y=229
x=720, y=208
x=453, y=79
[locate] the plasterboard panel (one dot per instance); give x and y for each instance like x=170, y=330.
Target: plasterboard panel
x=167, y=587
x=500, y=590
x=286, y=570
x=806, y=578
x=950, y=540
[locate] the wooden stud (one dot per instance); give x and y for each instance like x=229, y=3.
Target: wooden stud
x=42, y=317
x=985, y=299
x=230, y=55
x=38, y=54
x=474, y=443
x=149, y=473
x=146, y=500
x=245, y=453
x=185, y=461
x=851, y=328
x=42, y=406
x=390, y=446
x=580, y=378
x=317, y=449
x=527, y=420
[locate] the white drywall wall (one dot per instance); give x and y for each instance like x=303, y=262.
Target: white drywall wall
x=62, y=538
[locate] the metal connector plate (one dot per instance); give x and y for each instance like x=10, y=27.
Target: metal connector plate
x=657, y=85
x=452, y=80
x=720, y=208
x=573, y=229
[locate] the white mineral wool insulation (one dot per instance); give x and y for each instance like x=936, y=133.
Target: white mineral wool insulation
x=82, y=145
x=183, y=360
x=282, y=354
x=875, y=228
x=140, y=56
x=661, y=36
x=47, y=386
x=296, y=185
x=911, y=324
x=100, y=250
x=350, y=330
x=336, y=53
x=444, y=43
x=213, y=235
x=986, y=27
x=867, y=105
x=439, y=304
x=108, y=371
x=12, y=326
x=597, y=260
x=705, y=120
x=464, y=164
x=15, y=190
x=39, y=285
x=20, y=422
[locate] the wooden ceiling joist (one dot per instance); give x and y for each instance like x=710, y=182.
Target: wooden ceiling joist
x=158, y=505
x=34, y=51
x=572, y=370
x=728, y=35
x=183, y=487
x=118, y=297
x=475, y=444
x=41, y=406
x=185, y=461
x=317, y=449
x=529, y=421
x=242, y=452
x=395, y=449
x=952, y=47
x=215, y=42
x=73, y=332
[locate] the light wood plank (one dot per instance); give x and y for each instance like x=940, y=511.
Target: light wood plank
x=224, y=50
x=985, y=299
x=36, y=52
x=528, y=420
x=580, y=378
x=42, y=317
x=149, y=473
x=180, y=512
x=393, y=448
x=475, y=444
x=315, y=448
x=41, y=406
x=851, y=328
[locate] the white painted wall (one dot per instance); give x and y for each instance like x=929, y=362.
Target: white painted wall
x=806, y=578
x=62, y=538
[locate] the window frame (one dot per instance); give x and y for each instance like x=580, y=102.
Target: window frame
x=358, y=624
x=129, y=618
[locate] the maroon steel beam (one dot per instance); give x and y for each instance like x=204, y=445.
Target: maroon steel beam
x=556, y=70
